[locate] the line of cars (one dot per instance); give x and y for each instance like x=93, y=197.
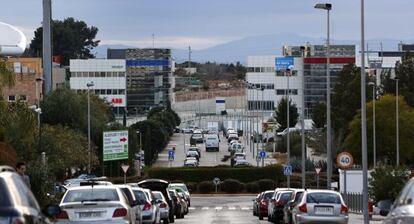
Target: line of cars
x=236, y=148
x=297, y=206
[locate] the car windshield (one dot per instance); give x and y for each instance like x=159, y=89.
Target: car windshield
x=82, y=195
x=268, y=195
x=328, y=198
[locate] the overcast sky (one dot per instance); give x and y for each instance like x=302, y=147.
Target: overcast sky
x=205, y=23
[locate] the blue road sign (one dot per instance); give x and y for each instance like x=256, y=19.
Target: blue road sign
x=171, y=154
x=287, y=170
x=262, y=154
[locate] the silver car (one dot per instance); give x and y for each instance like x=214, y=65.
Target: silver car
x=163, y=205
x=149, y=210
x=402, y=210
x=181, y=187
x=133, y=202
x=320, y=206
x=95, y=204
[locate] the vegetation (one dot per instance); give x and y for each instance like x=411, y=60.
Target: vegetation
x=6, y=76
x=71, y=39
x=281, y=114
x=387, y=182
x=319, y=115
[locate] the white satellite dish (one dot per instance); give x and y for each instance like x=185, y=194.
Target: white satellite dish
x=12, y=41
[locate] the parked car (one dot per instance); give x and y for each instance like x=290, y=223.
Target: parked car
x=149, y=209
x=184, y=200
x=134, y=203
x=242, y=162
x=78, y=179
x=256, y=202
x=263, y=204
x=382, y=207
x=196, y=149
x=237, y=147
x=231, y=143
x=181, y=187
x=17, y=202
x=319, y=206
x=179, y=204
x=402, y=211
x=275, y=213
x=165, y=211
x=197, y=138
x=190, y=162
x=284, y=132
x=193, y=154
x=239, y=155
x=212, y=142
x=162, y=186
x=230, y=131
x=272, y=201
x=287, y=210
x=87, y=204
x=232, y=137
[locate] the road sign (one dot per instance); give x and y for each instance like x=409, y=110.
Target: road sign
x=318, y=170
x=216, y=181
x=262, y=154
x=124, y=168
x=115, y=145
x=171, y=154
x=287, y=170
x=344, y=160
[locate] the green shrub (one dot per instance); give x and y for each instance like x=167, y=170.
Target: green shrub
x=205, y=187
x=387, y=182
x=266, y=184
x=252, y=187
x=231, y=186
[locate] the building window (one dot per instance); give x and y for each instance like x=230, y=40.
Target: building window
x=23, y=98
x=122, y=92
x=115, y=91
x=109, y=91
x=12, y=98
x=283, y=92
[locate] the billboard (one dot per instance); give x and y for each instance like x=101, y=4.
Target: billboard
x=115, y=145
x=284, y=63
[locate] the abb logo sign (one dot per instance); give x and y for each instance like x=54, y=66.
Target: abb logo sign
x=117, y=100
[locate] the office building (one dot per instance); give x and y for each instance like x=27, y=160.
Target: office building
x=150, y=79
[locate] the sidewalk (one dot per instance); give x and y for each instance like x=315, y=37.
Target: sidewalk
x=359, y=219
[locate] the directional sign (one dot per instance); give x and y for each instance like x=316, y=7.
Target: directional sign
x=287, y=170
x=344, y=160
x=115, y=145
x=124, y=168
x=262, y=154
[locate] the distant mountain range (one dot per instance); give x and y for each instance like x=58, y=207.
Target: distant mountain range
x=238, y=50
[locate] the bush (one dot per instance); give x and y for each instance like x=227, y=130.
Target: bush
x=252, y=187
x=192, y=186
x=231, y=186
x=205, y=187
x=266, y=184
x=387, y=182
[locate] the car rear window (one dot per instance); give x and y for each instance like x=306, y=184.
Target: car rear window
x=268, y=195
x=140, y=195
x=328, y=198
x=4, y=199
x=197, y=136
x=159, y=195
x=285, y=196
x=298, y=196
x=91, y=195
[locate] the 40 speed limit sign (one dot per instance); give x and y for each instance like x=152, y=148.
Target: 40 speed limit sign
x=344, y=160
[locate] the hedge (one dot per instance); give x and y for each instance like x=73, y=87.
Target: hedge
x=199, y=174
x=231, y=186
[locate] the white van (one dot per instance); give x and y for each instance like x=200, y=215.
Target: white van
x=212, y=142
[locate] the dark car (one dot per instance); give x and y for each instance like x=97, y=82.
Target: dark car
x=17, y=203
x=179, y=207
x=162, y=186
x=256, y=202
x=402, y=211
x=282, y=197
x=287, y=210
x=263, y=204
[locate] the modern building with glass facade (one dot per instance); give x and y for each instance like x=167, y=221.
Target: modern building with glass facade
x=150, y=80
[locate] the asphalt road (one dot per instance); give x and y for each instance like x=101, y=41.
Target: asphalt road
x=207, y=158
x=233, y=210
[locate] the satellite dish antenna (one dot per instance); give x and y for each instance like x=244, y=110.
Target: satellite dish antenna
x=12, y=41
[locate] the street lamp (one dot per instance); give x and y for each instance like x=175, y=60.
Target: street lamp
x=302, y=120
x=328, y=8
x=397, y=120
x=374, y=137
x=288, y=123
x=89, y=85
x=140, y=153
x=261, y=125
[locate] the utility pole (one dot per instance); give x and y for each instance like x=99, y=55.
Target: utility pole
x=189, y=56
x=288, y=127
x=153, y=40
x=47, y=45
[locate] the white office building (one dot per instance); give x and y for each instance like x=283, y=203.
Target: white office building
x=268, y=83
x=107, y=75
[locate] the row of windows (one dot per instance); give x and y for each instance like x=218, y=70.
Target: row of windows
x=13, y=98
x=98, y=74
x=104, y=91
x=284, y=91
x=261, y=105
x=260, y=69
x=260, y=86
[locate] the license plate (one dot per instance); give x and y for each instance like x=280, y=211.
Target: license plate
x=89, y=214
x=324, y=210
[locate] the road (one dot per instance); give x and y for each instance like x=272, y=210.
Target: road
x=233, y=210
x=207, y=158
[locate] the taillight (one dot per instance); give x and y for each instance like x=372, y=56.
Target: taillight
x=303, y=208
x=279, y=203
x=17, y=220
x=147, y=206
x=120, y=212
x=263, y=202
x=62, y=215
x=344, y=209
x=163, y=205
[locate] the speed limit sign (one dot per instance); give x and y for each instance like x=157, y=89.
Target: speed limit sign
x=344, y=160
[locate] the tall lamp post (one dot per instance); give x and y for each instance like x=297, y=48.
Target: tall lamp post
x=140, y=153
x=397, y=120
x=374, y=137
x=328, y=8
x=302, y=121
x=288, y=125
x=89, y=85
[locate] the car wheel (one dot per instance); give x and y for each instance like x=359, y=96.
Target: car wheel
x=172, y=219
x=260, y=216
x=165, y=221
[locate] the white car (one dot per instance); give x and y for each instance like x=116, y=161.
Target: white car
x=212, y=142
x=232, y=137
x=95, y=204
x=284, y=132
x=241, y=162
x=149, y=210
x=193, y=154
x=237, y=147
x=163, y=205
x=239, y=155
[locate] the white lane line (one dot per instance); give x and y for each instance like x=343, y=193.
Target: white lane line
x=204, y=208
x=191, y=208
x=219, y=208
x=245, y=208
x=232, y=208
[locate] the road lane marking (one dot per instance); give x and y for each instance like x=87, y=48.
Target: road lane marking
x=219, y=208
x=245, y=208
x=191, y=208
x=232, y=208
x=204, y=208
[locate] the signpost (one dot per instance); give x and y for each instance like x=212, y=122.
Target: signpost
x=345, y=161
x=262, y=155
x=287, y=170
x=115, y=145
x=171, y=155
x=216, y=182
x=125, y=169
x=318, y=171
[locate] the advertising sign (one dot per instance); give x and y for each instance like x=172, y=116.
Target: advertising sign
x=285, y=63
x=115, y=145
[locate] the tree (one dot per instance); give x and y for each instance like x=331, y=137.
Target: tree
x=71, y=39
x=387, y=182
x=385, y=128
x=405, y=72
x=319, y=115
x=281, y=114
x=6, y=76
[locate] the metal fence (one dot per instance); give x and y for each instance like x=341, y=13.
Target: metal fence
x=353, y=201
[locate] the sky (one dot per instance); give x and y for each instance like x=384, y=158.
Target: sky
x=206, y=23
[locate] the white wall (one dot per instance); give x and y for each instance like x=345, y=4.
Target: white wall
x=97, y=65
x=353, y=181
